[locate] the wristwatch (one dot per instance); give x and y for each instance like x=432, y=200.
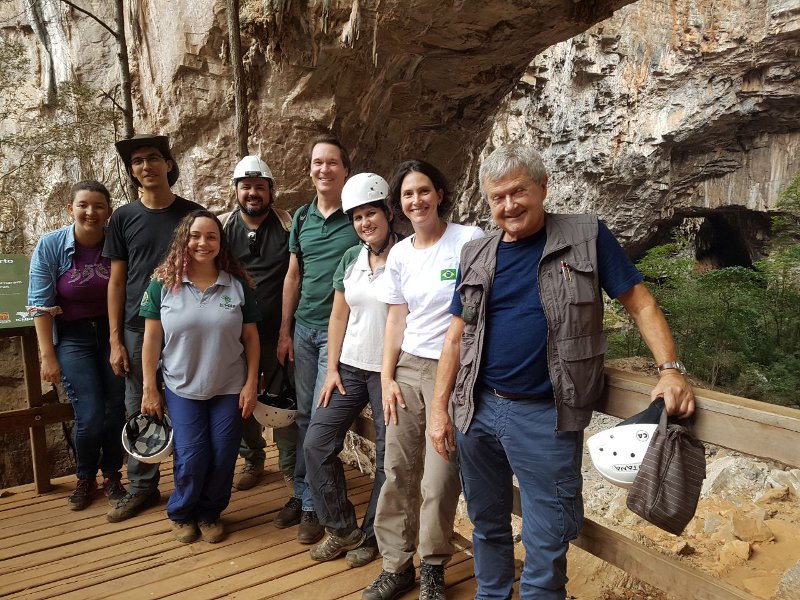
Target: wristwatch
x=673, y=364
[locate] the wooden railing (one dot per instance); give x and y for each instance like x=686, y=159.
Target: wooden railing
x=41, y=409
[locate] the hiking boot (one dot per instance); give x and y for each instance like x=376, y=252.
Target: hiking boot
x=310, y=530
x=390, y=585
x=185, y=533
x=290, y=514
x=132, y=504
x=212, y=531
x=335, y=545
x=249, y=476
x=82, y=496
x=431, y=582
x=363, y=555
x=113, y=489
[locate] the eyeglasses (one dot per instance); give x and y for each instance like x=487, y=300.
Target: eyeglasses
x=252, y=243
x=150, y=159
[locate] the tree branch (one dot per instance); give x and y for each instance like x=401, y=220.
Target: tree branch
x=87, y=13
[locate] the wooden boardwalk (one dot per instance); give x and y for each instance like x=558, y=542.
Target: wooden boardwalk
x=49, y=551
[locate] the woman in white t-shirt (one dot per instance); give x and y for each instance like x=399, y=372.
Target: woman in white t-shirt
x=419, y=498
x=353, y=381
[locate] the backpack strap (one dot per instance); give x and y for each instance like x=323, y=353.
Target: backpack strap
x=301, y=217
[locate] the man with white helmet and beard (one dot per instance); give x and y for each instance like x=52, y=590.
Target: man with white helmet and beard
x=258, y=234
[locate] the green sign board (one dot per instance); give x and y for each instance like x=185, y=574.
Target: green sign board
x=14, y=291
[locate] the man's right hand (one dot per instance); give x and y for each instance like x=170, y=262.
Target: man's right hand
x=285, y=348
x=119, y=360
x=440, y=430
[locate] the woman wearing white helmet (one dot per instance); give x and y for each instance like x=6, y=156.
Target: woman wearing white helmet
x=355, y=346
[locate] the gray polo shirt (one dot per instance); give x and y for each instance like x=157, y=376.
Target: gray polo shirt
x=203, y=355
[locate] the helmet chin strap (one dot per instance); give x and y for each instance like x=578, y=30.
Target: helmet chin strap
x=382, y=249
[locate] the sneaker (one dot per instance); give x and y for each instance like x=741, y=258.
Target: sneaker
x=113, y=489
x=290, y=514
x=310, y=530
x=132, y=504
x=185, y=533
x=363, y=555
x=212, y=532
x=335, y=546
x=431, y=582
x=249, y=476
x=82, y=496
x=390, y=585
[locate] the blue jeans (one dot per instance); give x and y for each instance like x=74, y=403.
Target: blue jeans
x=324, y=442
x=96, y=394
x=142, y=477
x=310, y=366
x=518, y=437
x=207, y=434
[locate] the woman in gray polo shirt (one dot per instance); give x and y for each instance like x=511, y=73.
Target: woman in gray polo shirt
x=200, y=305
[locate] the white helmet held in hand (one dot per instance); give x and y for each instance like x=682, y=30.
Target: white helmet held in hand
x=251, y=166
x=147, y=438
x=617, y=453
x=364, y=188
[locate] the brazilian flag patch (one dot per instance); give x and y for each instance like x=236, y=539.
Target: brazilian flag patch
x=448, y=275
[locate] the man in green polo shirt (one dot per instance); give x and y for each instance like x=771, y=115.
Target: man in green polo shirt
x=320, y=235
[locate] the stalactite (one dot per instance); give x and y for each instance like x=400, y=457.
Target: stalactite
x=33, y=9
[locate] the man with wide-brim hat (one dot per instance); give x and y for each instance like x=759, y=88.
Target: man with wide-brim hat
x=137, y=239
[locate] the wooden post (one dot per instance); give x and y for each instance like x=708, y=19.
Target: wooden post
x=33, y=393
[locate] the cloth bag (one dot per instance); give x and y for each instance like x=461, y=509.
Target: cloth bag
x=667, y=487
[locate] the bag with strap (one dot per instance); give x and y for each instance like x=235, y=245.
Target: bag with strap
x=667, y=487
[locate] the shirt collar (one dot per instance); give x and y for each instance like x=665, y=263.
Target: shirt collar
x=224, y=279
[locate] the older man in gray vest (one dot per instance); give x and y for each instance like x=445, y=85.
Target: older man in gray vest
x=522, y=368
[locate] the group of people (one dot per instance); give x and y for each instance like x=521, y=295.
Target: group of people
x=480, y=356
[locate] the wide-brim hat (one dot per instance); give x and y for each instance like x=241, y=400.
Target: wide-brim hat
x=128, y=146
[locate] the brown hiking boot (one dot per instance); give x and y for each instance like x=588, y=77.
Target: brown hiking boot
x=336, y=545
x=185, y=533
x=310, y=530
x=132, y=504
x=212, y=532
x=249, y=476
x=113, y=489
x=290, y=514
x=82, y=496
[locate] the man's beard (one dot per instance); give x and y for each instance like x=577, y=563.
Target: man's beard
x=254, y=212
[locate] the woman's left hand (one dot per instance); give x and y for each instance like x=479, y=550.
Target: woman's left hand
x=247, y=400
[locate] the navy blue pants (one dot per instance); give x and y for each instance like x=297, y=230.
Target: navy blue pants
x=96, y=394
x=325, y=440
x=514, y=437
x=207, y=434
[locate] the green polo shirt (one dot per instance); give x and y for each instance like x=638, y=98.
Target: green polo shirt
x=323, y=242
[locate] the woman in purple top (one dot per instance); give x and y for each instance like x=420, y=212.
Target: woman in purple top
x=67, y=297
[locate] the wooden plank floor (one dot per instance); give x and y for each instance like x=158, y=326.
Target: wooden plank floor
x=49, y=551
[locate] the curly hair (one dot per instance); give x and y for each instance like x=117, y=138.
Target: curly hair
x=437, y=179
x=172, y=269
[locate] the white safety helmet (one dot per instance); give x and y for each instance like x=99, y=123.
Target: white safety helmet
x=617, y=453
x=363, y=188
x=147, y=438
x=251, y=166
x=275, y=410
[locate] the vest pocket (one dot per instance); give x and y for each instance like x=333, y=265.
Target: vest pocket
x=581, y=360
x=580, y=280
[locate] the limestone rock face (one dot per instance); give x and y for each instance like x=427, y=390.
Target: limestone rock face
x=394, y=79
x=667, y=110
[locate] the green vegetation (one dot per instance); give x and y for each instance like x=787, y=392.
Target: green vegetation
x=737, y=329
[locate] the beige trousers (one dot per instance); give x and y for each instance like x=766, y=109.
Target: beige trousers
x=417, y=505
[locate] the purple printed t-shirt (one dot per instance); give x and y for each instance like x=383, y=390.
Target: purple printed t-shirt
x=81, y=292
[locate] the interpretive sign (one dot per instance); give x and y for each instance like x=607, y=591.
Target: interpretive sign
x=14, y=291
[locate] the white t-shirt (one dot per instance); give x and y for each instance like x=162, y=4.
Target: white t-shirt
x=362, y=346
x=425, y=281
